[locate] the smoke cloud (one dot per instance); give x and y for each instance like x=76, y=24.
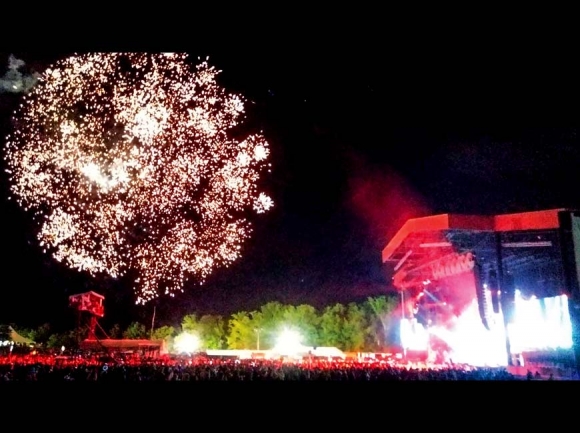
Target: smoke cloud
x=382, y=199
x=17, y=79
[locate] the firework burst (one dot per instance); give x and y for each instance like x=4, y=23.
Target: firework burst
x=126, y=161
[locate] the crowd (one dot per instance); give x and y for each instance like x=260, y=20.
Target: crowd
x=238, y=370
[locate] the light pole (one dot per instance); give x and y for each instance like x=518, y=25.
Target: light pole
x=257, y=331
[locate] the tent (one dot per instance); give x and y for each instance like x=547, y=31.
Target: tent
x=7, y=333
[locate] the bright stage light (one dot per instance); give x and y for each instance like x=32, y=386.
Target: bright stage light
x=541, y=325
x=413, y=335
x=289, y=342
x=187, y=343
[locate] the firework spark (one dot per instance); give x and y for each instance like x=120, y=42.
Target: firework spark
x=126, y=161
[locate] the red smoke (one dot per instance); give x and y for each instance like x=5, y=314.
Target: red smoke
x=382, y=199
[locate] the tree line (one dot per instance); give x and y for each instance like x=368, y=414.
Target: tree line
x=363, y=326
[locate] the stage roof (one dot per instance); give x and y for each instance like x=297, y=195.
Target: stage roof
x=430, y=231
x=529, y=241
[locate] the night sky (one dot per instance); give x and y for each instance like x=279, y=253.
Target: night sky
x=357, y=147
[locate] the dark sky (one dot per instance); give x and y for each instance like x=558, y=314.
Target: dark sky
x=358, y=147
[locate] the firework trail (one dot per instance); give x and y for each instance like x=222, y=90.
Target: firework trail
x=125, y=161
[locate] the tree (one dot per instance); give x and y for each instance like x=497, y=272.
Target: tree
x=115, y=332
x=212, y=331
x=163, y=332
x=189, y=323
x=271, y=319
x=166, y=333
x=344, y=327
x=241, y=334
x=77, y=335
x=305, y=319
x=41, y=334
x=257, y=324
x=381, y=309
x=331, y=326
x=136, y=331
x=5, y=333
x=68, y=340
x=354, y=328
x=55, y=341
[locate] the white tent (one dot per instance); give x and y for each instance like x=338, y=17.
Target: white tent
x=13, y=336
